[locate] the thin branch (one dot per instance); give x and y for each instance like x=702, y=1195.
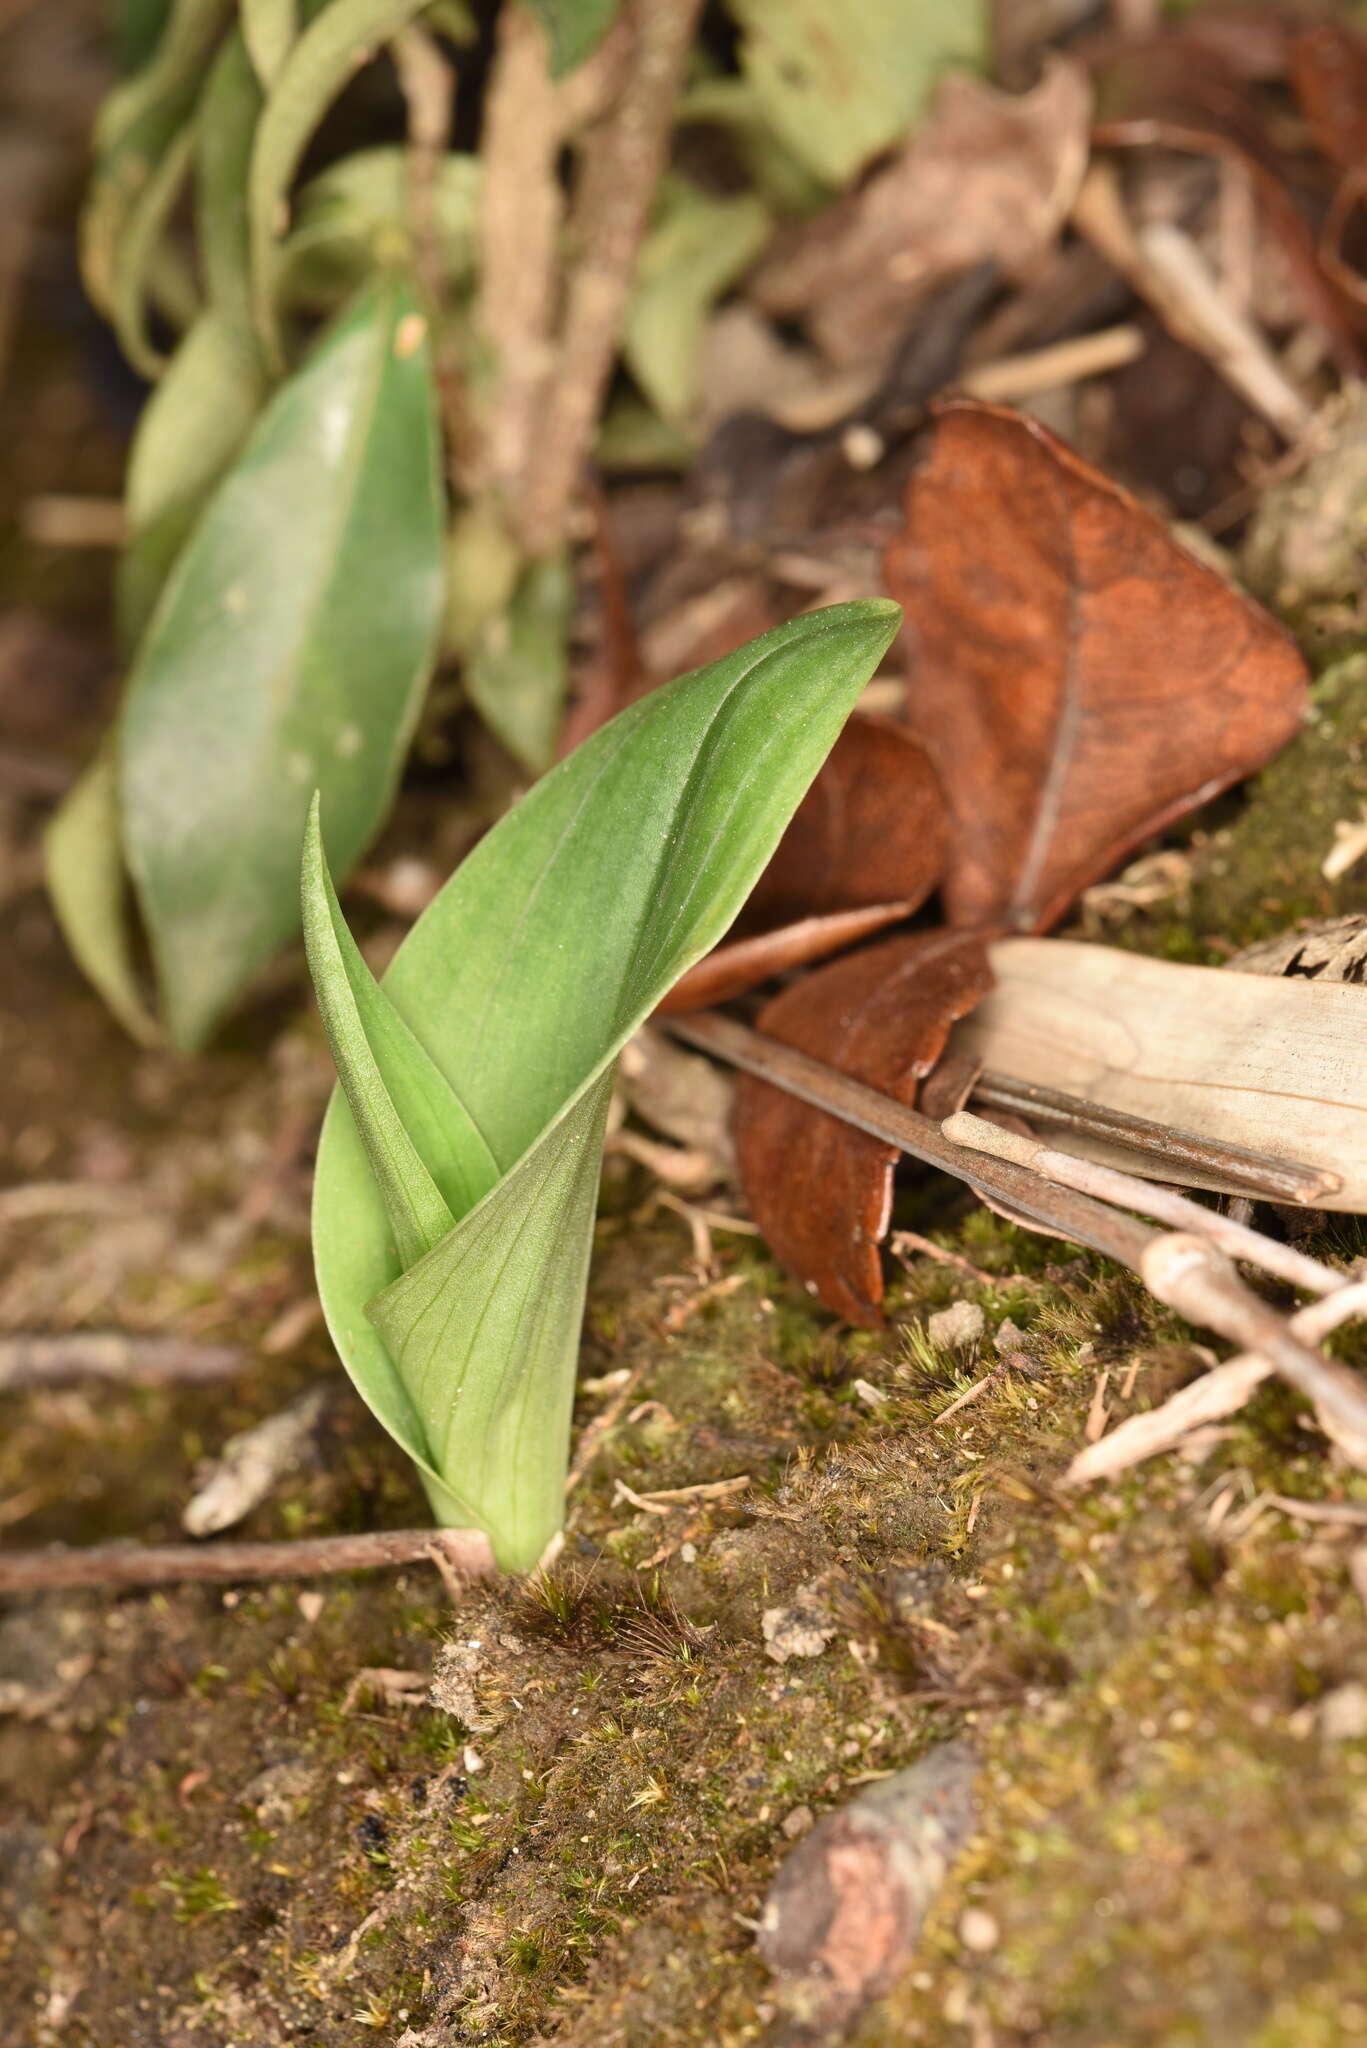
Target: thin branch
x=1109, y=1184
x=1183, y=1270
x=519, y=227
x=1009, y=379
x=464, y=1552
x=622, y=162
x=1220, y=1392
x=35, y=1359
x=1271, y=1179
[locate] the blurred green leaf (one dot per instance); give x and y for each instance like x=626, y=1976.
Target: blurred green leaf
x=775, y=170
x=137, y=124
x=574, y=29
x=333, y=47
x=521, y=982
x=354, y=216
x=289, y=652
x=841, y=85
x=83, y=860
x=517, y=671
x=227, y=128
x=696, y=249
x=191, y=427
x=269, y=27
x=147, y=220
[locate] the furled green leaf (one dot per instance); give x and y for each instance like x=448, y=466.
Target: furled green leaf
x=839, y=86
x=697, y=248
x=269, y=28
x=134, y=129
x=522, y=981
x=83, y=859
x=227, y=129
x=335, y=44
x=517, y=671
x=191, y=428
x=289, y=652
x=146, y=224
x=574, y=29
x=351, y=218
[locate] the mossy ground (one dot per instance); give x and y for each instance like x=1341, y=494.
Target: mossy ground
x=1170, y=1847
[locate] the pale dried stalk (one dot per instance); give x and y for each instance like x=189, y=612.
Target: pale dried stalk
x=1150, y=1198
x=1185, y=1271
x=519, y=226
x=1168, y=270
x=622, y=162
x=1220, y=1392
x=1011, y=378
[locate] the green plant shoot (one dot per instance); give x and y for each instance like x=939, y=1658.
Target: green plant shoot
x=458, y=1169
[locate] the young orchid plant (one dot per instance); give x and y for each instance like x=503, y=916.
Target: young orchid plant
x=458, y=1168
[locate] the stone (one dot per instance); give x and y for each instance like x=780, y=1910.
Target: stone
x=957, y=1328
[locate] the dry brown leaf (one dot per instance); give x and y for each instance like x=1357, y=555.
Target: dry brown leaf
x=989, y=176
x=865, y=848
x=820, y=1191
x=1078, y=679
x=1329, y=74
x=1274, y=1063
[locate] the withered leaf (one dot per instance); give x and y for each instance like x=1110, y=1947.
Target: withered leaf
x=865, y=848
x=820, y=1191
x=1329, y=74
x=989, y=175
x=1078, y=679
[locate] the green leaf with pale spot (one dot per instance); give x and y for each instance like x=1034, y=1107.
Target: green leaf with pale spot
x=521, y=983
x=289, y=652
x=334, y=46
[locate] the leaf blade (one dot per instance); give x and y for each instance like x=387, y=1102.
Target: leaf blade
x=523, y=991
x=289, y=652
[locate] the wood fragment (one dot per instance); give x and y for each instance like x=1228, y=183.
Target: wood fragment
x=54, y=520
x=251, y=1464
x=465, y=1552
x=518, y=229
x=1272, y=1063
x=1274, y=1180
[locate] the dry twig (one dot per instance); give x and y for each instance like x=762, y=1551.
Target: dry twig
x=39, y=1360
x=1168, y=270
x=464, y=1552
x=622, y=161
x=1187, y=1272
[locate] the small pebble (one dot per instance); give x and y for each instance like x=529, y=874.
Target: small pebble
x=957, y=1328
x=1343, y=1713
x=797, y=1823
x=978, y=1931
